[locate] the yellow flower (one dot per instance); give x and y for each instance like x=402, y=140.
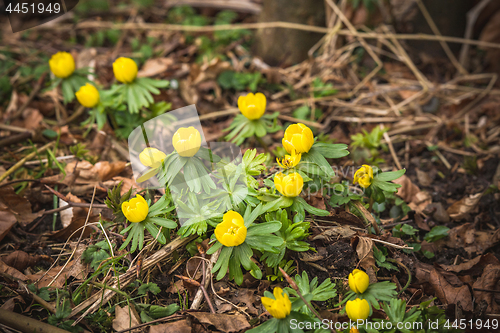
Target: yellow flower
x=152, y=157
x=358, y=281
x=136, y=209
x=252, y=106
x=62, y=64
x=231, y=231
x=290, y=161
x=187, y=141
x=353, y=330
x=298, y=137
x=279, y=307
x=359, y=309
x=88, y=96
x=364, y=176
x=125, y=70
x=289, y=185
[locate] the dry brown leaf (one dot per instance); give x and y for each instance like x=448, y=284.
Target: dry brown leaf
x=408, y=190
x=125, y=317
x=473, y=267
x=463, y=207
x=154, y=67
x=20, y=260
x=489, y=280
x=18, y=205
x=423, y=178
x=472, y=240
x=180, y=326
x=364, y=249
x=74, y=218
x=74, y=268
x=449, y=289
x=7, y=221
x=336, y=232
x=11, y=303
x=188, y=92
x=222, y=322
x=6, y=269
x=100, y=172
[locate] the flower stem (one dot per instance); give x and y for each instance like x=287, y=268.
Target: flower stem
x=262, y=143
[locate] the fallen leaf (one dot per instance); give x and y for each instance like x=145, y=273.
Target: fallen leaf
x=408, y=190
x=472, y=240
x=20, y=260
x=335, y=232
x=18, y=205
x=463, y=207
x=222, y=322
x=6, y=269
x=180, y=326
x=125, y=317
x=74, y=268
x=473, y=267
x=74, y=220
x=423, y=178
x=7, y=221
x=364, y=249
x=489, y=280
x=154, y=67
x=100, y=172
x=11, y=303
x=449, y=289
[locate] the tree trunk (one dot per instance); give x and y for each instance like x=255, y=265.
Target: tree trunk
x=286, y=46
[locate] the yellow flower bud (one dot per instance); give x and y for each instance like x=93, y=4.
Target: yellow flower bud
x=298, y=137
x=136, y=209
x=358, y=281
x=353, y=330
x=125, y=70
x=364, y=176
x=187, y=141
x=62, y=64
x=289, y=185
x=152, y=157
x=359, y=309
x=88, y=96
x=290, y=161
x=231, y=231
x=252, y=106
x=279, y=307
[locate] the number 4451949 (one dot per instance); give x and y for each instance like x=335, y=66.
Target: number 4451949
x=472, y=324
x=39, y=8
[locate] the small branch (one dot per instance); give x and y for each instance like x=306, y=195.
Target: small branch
x=32, y=95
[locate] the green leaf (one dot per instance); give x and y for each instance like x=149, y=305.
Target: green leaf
x=388, y=176
x=263, y=228
x=151, y=287
x=436, y=233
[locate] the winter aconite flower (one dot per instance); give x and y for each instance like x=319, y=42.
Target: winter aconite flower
x=88, y=96
x=298, y=137
x=358, y=281
x=136, y=209
x=279, y=307
x=290, y=161
x=152, y=157
x=62, y=64
x=125, y=70
x=187, y=141
x=231, y=231
x=252, y=106
x=364, y=176
x=359, y=309
x=289, y=185
x=353, y=330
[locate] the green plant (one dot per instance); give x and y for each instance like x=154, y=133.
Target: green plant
x=366, y=145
